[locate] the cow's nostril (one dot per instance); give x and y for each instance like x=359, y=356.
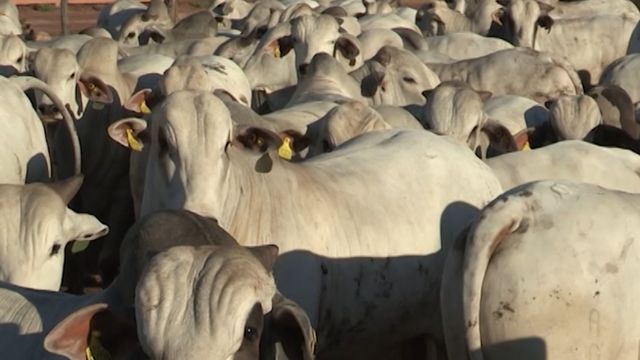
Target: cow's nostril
x=303, y=69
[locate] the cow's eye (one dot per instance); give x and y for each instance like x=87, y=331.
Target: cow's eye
x=409, y=80
x=73, y=75
x=131, y=35
x=55, y=249
x=20, y=59
x=250, y=333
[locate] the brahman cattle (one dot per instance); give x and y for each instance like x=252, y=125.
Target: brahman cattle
x=148, y=312
x=541, y=274
x=36, y=227
x=236, y=160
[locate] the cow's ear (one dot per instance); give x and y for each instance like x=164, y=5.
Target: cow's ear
x=129, y=132
x=138, y=102
x=290, y=326
x=82, y=228
x=484, y=95
x=545, y=21
x=92, y=331
x=373, y=81
x=348, y=49
x=70, y=337
x=499, y=137
x=157, y=36
x=298, y=141
x=258, y=139
x=95, y=89
x=280, y=47
x=522, y=139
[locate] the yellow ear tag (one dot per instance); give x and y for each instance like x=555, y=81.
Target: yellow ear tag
x=276, y=51
x=134, y=144
x=97, y=106
x=144, y=108
x=525, y=147
x=95, y=350
x=284, y=151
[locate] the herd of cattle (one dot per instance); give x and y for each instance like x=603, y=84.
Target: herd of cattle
x=331, y=179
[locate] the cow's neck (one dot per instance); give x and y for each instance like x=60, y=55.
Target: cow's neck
x=253, y=202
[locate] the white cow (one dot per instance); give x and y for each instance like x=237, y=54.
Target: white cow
x=436, y=18
x=36, y=227
x=454, y=109
x=9, y=19
x=518, y=71
x=584, y=41
x=13, y=55
x=112, y=17
x=312, y=34
x=395, y=77
x=199, y=160
x=343, y=123
x=541, y=273
x=230, y=290
x=571, y=160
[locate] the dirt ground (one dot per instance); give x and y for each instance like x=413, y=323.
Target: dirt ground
x=47, y=17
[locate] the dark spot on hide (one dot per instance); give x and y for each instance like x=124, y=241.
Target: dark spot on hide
x=526, y=193
x=323, y=268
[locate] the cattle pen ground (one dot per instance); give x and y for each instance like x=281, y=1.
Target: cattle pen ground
x=46, y=16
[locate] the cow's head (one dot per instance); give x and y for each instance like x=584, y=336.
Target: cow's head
x=38, y=227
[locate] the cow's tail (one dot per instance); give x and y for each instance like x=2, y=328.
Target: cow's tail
x=497, y=221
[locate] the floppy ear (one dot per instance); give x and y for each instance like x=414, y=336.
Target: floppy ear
x=372, y=82
x=280, y=47
x=499, y=137
x=137, y=102
x=83, y=227
x=157, y=36
x=128, y=132
x=522, y=139
x=288, y=329
x=258, y=139
x=484, y=95
x=70, y=337
x=545, y=21
x=348, y=49
x=95, y=89
x=299, y=141
x=93, y=329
